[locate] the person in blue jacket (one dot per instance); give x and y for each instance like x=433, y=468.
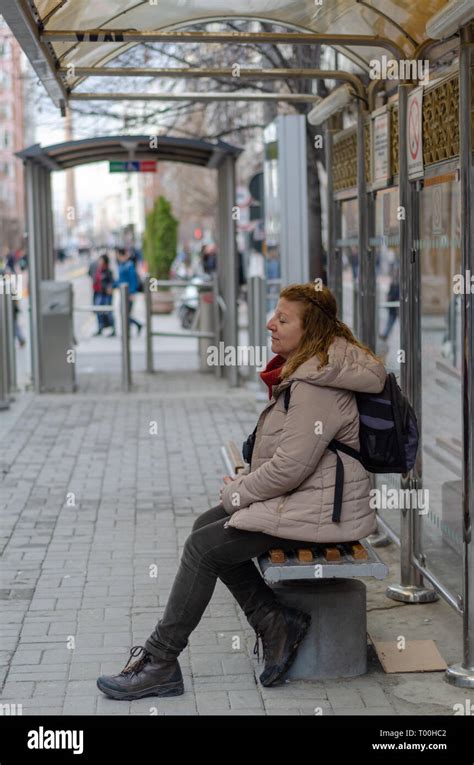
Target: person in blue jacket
x=128, y=275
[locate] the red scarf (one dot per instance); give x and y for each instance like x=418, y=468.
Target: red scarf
x=271, y=373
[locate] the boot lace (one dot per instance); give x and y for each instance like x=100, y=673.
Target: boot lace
x=267, y=633
x=256, y=649
x=138, y=665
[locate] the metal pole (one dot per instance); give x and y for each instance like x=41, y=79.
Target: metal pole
x=462, y=675
x=410, y=589
x=125, y=327
x=195, y=96
x=331, y=235
x=257, y=318
x=49, y=225
x=360, y=296
x=46, y=270
x=12, y=381
x=4, y=393
x=148, y=326
x=252, y=313
x=338, y=255
x=370, y=286
x=261, y=337
x=34, y=273
x=216, y=318
x=227, y=258
x=290, y=38
x=189, y=72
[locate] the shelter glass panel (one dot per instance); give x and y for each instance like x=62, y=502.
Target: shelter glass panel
x=441, y=379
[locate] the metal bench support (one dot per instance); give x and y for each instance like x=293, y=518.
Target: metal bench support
x=335, y=645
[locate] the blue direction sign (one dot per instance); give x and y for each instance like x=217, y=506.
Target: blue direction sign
x=132, y=166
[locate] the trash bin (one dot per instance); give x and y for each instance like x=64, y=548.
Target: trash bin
x=205, y=324
x=57, y=347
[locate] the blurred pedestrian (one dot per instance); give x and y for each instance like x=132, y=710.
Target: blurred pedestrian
x=18, y=330
x=209, y=258
x=128, y=275
x=10, y=265
x=393, y=296
x=102, y=286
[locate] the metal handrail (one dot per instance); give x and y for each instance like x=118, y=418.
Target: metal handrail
x=179, y=282
x=94, y=308
x=125, y=331
x=218, y=302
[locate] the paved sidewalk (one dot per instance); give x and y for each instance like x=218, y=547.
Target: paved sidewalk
x=98, y=487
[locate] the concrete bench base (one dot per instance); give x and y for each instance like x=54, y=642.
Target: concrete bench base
x=336, y=642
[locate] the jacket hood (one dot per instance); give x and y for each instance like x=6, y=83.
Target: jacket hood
x=349, y=367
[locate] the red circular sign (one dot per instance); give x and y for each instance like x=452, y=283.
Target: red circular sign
x=414, y=128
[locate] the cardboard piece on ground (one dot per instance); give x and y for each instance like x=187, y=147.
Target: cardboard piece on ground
x=417, y=656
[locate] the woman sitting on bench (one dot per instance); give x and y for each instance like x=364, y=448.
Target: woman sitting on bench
x=286, y=496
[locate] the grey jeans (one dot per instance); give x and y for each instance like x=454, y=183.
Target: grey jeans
x=211, y=552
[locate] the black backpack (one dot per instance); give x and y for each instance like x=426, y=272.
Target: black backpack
x=388, y=435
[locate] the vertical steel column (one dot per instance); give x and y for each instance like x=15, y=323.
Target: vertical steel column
x=49, y=258
x=216, y=318
x=10, y=333
x=410, y=589
x=370, y=283
x=34, y=271
x=415, y=377
x=462, y=675
x=4, y=385
x=252, y=330
x=338, y=255
x=43, y=214
x=148, y=325
x=257, y=297
x=125, y=327
x=227, y=258
x=361, y=328
x=331, y=235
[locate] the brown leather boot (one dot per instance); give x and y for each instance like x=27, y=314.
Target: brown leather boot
x=281, y=632
x=148, y=676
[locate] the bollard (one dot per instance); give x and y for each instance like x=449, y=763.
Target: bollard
x=4, y=392
x=125, y=325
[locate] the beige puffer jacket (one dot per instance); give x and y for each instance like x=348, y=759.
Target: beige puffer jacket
x=289, y=491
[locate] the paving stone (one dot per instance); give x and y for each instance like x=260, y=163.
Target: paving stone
x=83, y=571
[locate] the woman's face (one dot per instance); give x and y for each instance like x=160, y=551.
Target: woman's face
x=285, y=326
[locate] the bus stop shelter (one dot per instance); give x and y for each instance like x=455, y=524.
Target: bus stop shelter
x=68, y=43
x=40, y=162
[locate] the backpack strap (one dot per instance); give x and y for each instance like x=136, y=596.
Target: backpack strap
x=338, y=489
x=336, y=446
x=287, y=397
x=345, y=448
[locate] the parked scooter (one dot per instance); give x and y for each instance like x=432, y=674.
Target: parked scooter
x=189, y=300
